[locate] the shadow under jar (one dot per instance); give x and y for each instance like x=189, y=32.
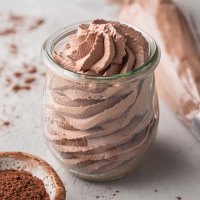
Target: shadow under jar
x=99, y=127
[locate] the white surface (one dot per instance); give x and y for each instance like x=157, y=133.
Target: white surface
x=172, y=166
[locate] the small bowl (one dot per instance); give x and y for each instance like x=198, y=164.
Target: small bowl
x=38, y=168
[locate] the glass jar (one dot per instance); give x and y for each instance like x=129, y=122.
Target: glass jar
x=99, y=127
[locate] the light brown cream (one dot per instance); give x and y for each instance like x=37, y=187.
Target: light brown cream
x=104, y=48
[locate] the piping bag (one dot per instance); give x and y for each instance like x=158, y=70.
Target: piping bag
x=178, y=75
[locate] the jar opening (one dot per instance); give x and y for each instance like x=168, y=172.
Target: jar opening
x=137, y=73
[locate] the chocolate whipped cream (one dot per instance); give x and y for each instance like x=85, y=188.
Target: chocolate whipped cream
x=179, y=72
x=104, y=48
x=101, y=128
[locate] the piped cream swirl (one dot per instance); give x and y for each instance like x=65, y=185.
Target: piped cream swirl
x=104, y=48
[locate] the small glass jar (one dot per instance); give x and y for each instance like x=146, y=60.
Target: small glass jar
x=99, y=127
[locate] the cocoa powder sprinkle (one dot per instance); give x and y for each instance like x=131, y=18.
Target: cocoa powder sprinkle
x=21, y=185
x=30, y=80
x=25, y=65
x=7, y=31
x=17, y=88
x=13, y=49
x=16, y=18
x=8, y=80
x=1, y=70
x=17, y=74
x=36, y=24
x=6, y=123
x=33, y=70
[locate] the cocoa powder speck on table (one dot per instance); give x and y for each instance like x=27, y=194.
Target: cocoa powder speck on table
x=6, y=123
x=36, y=24
x=17, y=74
x=21, y=185
x=30, y=80
x=16, y=18
x=32, y=70
x=13, y=49
x=7, y=31
x=17, y=88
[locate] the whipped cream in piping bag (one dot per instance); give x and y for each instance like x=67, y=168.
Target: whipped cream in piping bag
x=179, y=72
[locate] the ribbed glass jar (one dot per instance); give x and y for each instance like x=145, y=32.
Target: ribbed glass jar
x=99, y=127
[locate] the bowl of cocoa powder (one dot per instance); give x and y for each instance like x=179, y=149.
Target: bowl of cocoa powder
x=24, y=176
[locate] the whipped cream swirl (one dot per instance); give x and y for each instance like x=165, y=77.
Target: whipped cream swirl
x=104, y=48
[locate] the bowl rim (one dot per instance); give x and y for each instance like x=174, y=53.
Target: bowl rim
x=60, y=193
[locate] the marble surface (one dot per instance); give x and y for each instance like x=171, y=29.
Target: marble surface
x=171, y=168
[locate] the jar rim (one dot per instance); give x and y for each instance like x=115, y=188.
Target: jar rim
x=137, y=73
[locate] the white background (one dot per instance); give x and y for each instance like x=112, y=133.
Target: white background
x=172, y=166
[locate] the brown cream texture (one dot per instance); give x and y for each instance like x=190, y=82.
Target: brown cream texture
x=103, y=48
x=98, y=130
x=178, y=77
x=101, y=128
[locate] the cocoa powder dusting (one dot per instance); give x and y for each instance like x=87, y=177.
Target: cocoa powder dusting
x=25, y=65
x=16, y=18
x=6, y=123
x=17, y=74
x=33, y=70
x=13, y=49
x=8, y=81
x=21, y=185
x=17, y=88
x=7, y=31
x=30, y=80
x=36, y=24
x=1, y=70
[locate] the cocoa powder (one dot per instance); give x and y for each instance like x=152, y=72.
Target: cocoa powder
x=36, y=24
x=13, y=49
x=6, y=123
x=32, y=70
x=21, y=185
x=30, y=80
x=7, y=32
x=16, y=88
